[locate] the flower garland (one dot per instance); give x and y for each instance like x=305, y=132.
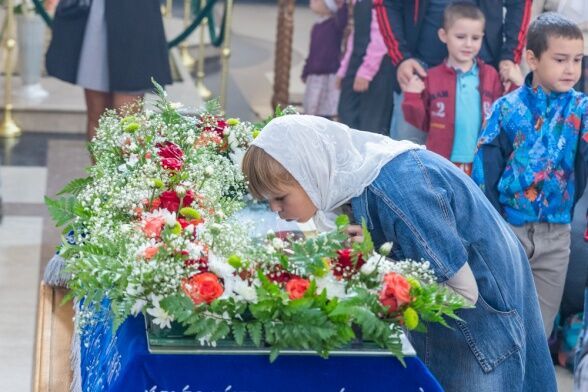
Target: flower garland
x=152, y=232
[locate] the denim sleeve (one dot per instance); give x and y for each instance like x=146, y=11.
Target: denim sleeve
x=490, y=160
x=421, y=219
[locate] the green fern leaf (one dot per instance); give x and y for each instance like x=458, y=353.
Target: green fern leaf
x=76, y=186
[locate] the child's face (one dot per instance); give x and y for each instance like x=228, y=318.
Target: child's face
x=292, y=204
x=463, y=39
x=319, y=7
x=559, y=68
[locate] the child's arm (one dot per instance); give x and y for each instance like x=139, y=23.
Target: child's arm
x=375, y=52
x=494, y=148
x=414, y=104
x=345, y=60
x=514, y=78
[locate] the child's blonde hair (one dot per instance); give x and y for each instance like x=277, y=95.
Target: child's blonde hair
x=264, y=174
x=461, y=10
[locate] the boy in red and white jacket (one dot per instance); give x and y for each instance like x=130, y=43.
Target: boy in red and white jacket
x=452, y=102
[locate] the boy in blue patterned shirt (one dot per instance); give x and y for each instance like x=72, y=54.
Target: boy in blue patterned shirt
x=533, y=154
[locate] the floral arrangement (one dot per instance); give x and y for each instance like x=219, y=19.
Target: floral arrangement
x=151, y=230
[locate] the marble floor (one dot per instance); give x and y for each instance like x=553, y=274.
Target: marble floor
x=30, y=168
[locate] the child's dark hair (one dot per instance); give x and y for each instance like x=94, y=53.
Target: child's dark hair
x=550, y=25
x=461, y=10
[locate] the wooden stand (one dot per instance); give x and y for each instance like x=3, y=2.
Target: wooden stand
x=53, y=341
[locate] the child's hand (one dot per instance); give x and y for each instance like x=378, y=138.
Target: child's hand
x=415, y=85
x=504, y=68
x=360, y=84
x=407, y=69
x=355, y=233
x=338, y=82
x=515, y=76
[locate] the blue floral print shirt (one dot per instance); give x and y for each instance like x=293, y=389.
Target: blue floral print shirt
x=532, y=154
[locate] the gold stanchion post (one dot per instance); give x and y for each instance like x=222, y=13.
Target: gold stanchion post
x=202, y=90
x=187, y=59
x=226, y=54
x=8, y=127
x=168, y=8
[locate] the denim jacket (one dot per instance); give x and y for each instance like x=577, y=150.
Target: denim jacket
x=432, y=211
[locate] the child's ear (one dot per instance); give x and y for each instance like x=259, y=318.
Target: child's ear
x=531, y=59
x=442, y=35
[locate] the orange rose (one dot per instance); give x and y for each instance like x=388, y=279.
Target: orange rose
x=396, y=291
x=153, y=226
x=204, y=287
x=150, y=252
x=296, y=287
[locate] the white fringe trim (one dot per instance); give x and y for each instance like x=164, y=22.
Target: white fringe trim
x=55, y=274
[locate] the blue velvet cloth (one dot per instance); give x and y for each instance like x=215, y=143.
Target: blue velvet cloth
x=125, y=364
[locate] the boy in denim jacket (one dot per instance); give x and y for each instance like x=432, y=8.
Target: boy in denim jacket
x=533, y=154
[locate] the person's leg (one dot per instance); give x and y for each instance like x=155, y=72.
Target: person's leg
x=402, y=130
x=348, y=110
x=96, y=103
x=127, y=104
x=376, y=104
x=549, y=265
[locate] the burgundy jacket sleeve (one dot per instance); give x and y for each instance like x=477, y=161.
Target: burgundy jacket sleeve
x=391, y=22
x=416, y=109
x=516, y=22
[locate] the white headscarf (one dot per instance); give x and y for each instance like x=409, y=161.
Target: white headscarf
x=332, y=162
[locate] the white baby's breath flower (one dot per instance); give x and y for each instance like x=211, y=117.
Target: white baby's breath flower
x=209, y=170
x=133, y=159
x=278, y=244
x=134, y=289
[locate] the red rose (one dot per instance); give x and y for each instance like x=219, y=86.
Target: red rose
x=204, y=287
x=188, y=198
x=296, y=287
x=396, y=291
x=169, y=150
x=345, y=267
x=171, y=164
x=221, y=124
x=171, y=202
x=171, y=156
